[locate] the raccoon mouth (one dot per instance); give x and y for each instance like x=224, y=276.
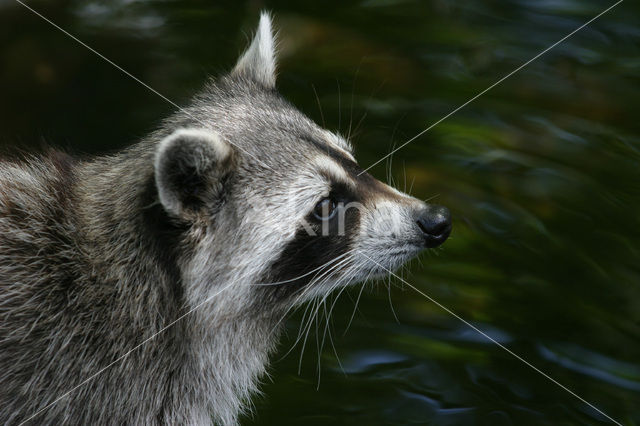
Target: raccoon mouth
x=374, y=268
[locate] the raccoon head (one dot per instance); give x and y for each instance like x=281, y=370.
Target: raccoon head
x=278, y=206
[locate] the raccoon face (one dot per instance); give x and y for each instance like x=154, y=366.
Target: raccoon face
x=280, y=202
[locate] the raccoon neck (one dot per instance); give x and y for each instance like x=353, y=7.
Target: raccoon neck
x=213, y=355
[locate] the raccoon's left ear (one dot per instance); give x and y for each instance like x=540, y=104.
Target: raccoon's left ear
x=190, y=165
x=259, y=60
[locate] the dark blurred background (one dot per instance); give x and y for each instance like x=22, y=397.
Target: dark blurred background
x=542, y=175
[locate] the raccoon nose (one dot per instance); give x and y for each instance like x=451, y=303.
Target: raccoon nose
x=435, y=224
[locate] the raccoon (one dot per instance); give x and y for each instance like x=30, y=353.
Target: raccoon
x=150, y=286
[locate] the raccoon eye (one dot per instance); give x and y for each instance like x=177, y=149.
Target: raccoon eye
x=325, y=209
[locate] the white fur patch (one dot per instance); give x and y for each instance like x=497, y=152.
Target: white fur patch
x=388, y=235
x=329, y=166
x=340, y=143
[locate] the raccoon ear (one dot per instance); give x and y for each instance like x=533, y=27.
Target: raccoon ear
x=258, y=61
x=189, y=168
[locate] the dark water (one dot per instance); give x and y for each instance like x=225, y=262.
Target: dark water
x=542, y=175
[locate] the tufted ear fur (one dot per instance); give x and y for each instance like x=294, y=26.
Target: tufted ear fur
x=190, y=165
x=259, y=62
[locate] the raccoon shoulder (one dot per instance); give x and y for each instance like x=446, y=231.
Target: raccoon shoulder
x=35, y=202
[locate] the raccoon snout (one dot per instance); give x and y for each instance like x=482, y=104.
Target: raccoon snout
x=435, y=224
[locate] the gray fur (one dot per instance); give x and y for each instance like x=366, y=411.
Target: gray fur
x=259, y=61
x=97, y=256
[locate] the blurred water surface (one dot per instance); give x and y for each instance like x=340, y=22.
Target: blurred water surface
x=542, y=176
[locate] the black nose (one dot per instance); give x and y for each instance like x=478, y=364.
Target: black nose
x=435, y=224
